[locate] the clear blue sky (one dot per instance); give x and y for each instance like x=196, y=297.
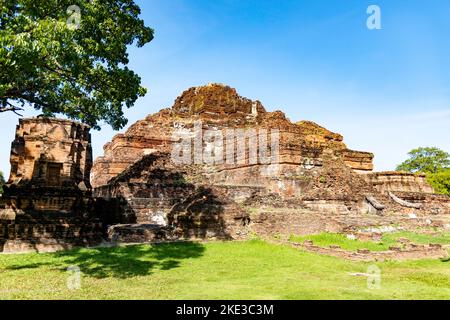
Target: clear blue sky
x=387, y=91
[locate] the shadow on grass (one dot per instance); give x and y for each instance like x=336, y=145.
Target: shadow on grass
x=122, y=262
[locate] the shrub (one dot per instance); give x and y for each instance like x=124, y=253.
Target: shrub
x=440, y=181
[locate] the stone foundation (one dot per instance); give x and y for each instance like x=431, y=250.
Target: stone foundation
x=410, y=252
x=140, y=233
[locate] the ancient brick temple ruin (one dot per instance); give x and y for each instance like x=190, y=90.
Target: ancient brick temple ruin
x=159, y=164
x=47, y=200
x=213, y=166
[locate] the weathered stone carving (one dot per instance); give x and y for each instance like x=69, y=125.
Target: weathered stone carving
x=404, y=202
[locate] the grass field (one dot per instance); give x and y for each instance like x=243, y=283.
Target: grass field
x=217, y=270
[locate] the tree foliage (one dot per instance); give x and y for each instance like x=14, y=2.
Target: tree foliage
x=426, y=160
x=70, y=57
x=440, y=181
x=433, y=162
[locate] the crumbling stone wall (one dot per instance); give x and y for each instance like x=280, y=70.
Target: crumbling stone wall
x=399, y=182
x=47, y=202
x=154, y=191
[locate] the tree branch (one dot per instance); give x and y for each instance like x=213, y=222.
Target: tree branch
x=12, y=108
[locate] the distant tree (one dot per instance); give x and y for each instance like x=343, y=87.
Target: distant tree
x=435, y=163
x=440, y=181
x=2, y=182
x=70, y=57
x=426, y=160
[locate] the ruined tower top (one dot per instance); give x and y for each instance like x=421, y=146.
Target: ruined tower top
x=51, y=152
x=215, y=99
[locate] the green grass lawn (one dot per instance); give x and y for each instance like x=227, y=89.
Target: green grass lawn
x=216, y=270
x=389, y=239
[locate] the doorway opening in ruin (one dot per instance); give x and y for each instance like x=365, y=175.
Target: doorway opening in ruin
x=54, y=173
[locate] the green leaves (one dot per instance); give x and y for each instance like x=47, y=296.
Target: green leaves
x=426, y=160
x=432, y=161
x=440, y=181
x=80, y=72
